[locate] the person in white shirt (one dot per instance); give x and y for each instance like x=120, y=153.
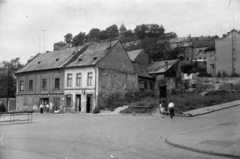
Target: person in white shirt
x=171, y=109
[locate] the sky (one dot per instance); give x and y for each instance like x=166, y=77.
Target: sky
x=28, y=27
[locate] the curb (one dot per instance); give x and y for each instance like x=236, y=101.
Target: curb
x=201, y=151
x=191, y=115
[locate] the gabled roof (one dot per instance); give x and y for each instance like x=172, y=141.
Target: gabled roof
x=133, y=54
x=51, y=60
x=160, y=66
x=198, y=42
x=141, y=70
x=94, y=53
x=210, y=48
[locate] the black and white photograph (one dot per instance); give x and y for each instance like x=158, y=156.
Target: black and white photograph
x=119, y=79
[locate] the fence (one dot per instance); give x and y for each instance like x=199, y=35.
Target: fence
x=11, y=103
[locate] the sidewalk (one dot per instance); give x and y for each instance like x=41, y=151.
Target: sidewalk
x=221, y=139
x=211, y=109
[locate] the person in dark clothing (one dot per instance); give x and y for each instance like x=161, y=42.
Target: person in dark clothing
x=2, y=107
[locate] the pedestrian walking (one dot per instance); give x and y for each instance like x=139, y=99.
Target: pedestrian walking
x=171, y=109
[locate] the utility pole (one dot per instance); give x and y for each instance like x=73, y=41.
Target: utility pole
x=7, y=85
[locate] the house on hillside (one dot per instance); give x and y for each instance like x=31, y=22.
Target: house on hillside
x=223, y=57
x=59, y=45
x=141, y=60
x=99, y=71
x=211, y=60
x=42, y=79
x=76, y=78
x=169, y=71
x=228, y=53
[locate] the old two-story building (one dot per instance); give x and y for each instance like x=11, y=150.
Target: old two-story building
x=76, y=78
x=223, y=57
x=41, y=80
x=141, y=60
x=102, y=69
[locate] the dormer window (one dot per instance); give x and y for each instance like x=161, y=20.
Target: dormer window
x=57, y=59
x=95, y=58
x=79, y=59
x=39, y=62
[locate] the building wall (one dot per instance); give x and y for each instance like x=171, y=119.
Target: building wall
x=199, y=54
x=211, y=66
x=228, y=53
x=145, y=84
x=111, y=81
x=27, y=97
x=84, y=89
x=142, y=58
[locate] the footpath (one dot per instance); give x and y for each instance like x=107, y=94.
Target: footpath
x=221, y=140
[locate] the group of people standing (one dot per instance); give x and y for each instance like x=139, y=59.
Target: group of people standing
x=48, y=108
x=167, y=108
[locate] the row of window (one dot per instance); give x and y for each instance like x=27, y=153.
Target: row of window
x=79, y=79
x=43, y=84
x=57, y=82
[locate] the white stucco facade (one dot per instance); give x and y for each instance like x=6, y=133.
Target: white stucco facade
x=85, y=92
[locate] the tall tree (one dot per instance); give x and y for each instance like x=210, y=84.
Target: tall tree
x=68, y=38
x=128, y=33
x=7, y=77
x=94, y=34
x=141, y=31
x=103, y=35
x=113, y=29
x=79, y=39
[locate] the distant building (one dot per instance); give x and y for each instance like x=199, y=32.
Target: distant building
x=140, y=60
x=211, y=60
x=122, y=29
x=59, y=45
x=169, y=71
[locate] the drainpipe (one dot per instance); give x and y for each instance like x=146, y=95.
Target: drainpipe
x=95, y=86
x=232, y=55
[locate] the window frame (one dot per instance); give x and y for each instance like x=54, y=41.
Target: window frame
x=30, y=85
x=55, y=83
x=44, y=84
x=89, y=79
x=78, y=79
x=69, y=79
x=21, y=86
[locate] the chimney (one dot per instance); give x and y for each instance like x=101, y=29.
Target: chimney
x=166, y=64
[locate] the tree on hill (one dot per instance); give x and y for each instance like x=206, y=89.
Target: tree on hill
x=94, y=34
x=128, y=33
x=103, y=35
x=113, y=29
x=7, y=77
x=68, y=37
x=79, y=39
x=149, y=30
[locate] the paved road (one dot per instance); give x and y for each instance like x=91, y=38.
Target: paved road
x=77, y=136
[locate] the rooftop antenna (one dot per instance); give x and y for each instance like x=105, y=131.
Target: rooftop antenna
x=43, y=40
x=39, y=47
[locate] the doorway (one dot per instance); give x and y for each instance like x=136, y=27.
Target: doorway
x=68, y=100
x=89, y=103
x=44, y=100
x=78, y=102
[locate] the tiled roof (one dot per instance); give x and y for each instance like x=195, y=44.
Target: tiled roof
x=141, y=70
x=198, y=42
x=160, y=66
x=210, y=48
x=51, y=60
x=93, y=54
x=133, y=54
